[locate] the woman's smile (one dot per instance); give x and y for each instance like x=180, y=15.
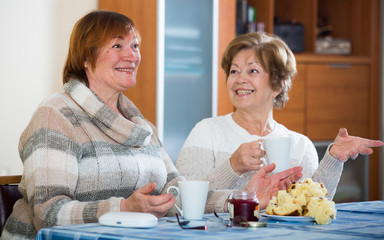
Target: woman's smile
x=125, y=69
x=243, y=92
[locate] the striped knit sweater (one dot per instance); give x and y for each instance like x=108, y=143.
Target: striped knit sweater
x=81, y=158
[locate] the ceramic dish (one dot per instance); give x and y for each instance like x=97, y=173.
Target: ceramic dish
x=289, y=218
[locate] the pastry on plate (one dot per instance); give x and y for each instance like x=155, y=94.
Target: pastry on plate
x=307, y=198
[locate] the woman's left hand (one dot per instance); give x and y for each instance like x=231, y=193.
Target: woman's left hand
x=345, y=146
x=267, y=186
x=142, y=201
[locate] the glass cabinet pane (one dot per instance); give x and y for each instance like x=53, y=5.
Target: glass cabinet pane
x=187, y=69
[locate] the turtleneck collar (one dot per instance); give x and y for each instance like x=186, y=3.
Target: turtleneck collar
x=131, y=129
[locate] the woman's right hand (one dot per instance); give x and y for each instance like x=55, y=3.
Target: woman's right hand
x=247, y=157
x=141, y=201
x=266, y=186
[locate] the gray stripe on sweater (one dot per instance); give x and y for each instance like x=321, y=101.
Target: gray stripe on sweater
x=95, y=195
x=90, y=212
x=78, y=118
x=44, y=138
x=107, y=149
x=107, y=117
x=138, y=135
x=16, y=227
x=75, y=116
x=58, y=141
x=51, y=213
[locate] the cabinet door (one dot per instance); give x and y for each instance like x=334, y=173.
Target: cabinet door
x=143, y=13
x=293, y=114
x=337, y=97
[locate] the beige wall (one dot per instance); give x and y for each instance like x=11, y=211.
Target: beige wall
x=33, y=45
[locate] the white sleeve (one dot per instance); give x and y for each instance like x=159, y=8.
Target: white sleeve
x=197, y=160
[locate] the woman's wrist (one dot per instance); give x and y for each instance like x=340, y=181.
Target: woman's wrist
x=123, y=205
x=236, y=171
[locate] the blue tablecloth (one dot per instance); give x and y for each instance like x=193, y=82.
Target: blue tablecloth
x=358, y=220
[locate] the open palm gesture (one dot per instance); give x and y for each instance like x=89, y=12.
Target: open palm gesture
x=266, y=186
x=345, y=146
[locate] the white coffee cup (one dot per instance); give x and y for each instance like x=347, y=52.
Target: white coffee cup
x=278, y=151
x=193, y=197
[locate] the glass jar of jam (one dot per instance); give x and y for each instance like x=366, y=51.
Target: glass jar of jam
x=243, y=207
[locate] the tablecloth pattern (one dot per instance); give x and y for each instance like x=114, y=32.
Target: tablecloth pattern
x=358, y=220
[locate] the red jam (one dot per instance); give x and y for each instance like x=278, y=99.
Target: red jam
x=243, y=208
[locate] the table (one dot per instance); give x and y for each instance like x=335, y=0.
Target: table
x=357, y=220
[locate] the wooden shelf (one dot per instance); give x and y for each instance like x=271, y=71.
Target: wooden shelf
x=319, y=58
x=348, y=19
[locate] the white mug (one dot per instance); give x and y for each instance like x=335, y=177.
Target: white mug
x=278, y=151
x=193, y=197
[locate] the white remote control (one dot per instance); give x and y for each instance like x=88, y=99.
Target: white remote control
x=128, y=219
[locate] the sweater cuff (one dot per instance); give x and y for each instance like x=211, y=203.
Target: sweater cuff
x=110, y=205
x=329, y=173
x=329, y=162
x=225, y=176
x=115, y=205
x=216, y=200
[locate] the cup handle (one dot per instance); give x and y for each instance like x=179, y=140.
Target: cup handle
x=263, y=158
x=261, y=145
x=178, y=193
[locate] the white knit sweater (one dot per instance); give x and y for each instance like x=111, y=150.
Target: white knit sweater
x=206, y=152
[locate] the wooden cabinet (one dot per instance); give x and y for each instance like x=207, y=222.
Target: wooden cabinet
x=293, y=115
x=327, y=96
x=351, y=19
x=337, y=96
x=333, y=91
